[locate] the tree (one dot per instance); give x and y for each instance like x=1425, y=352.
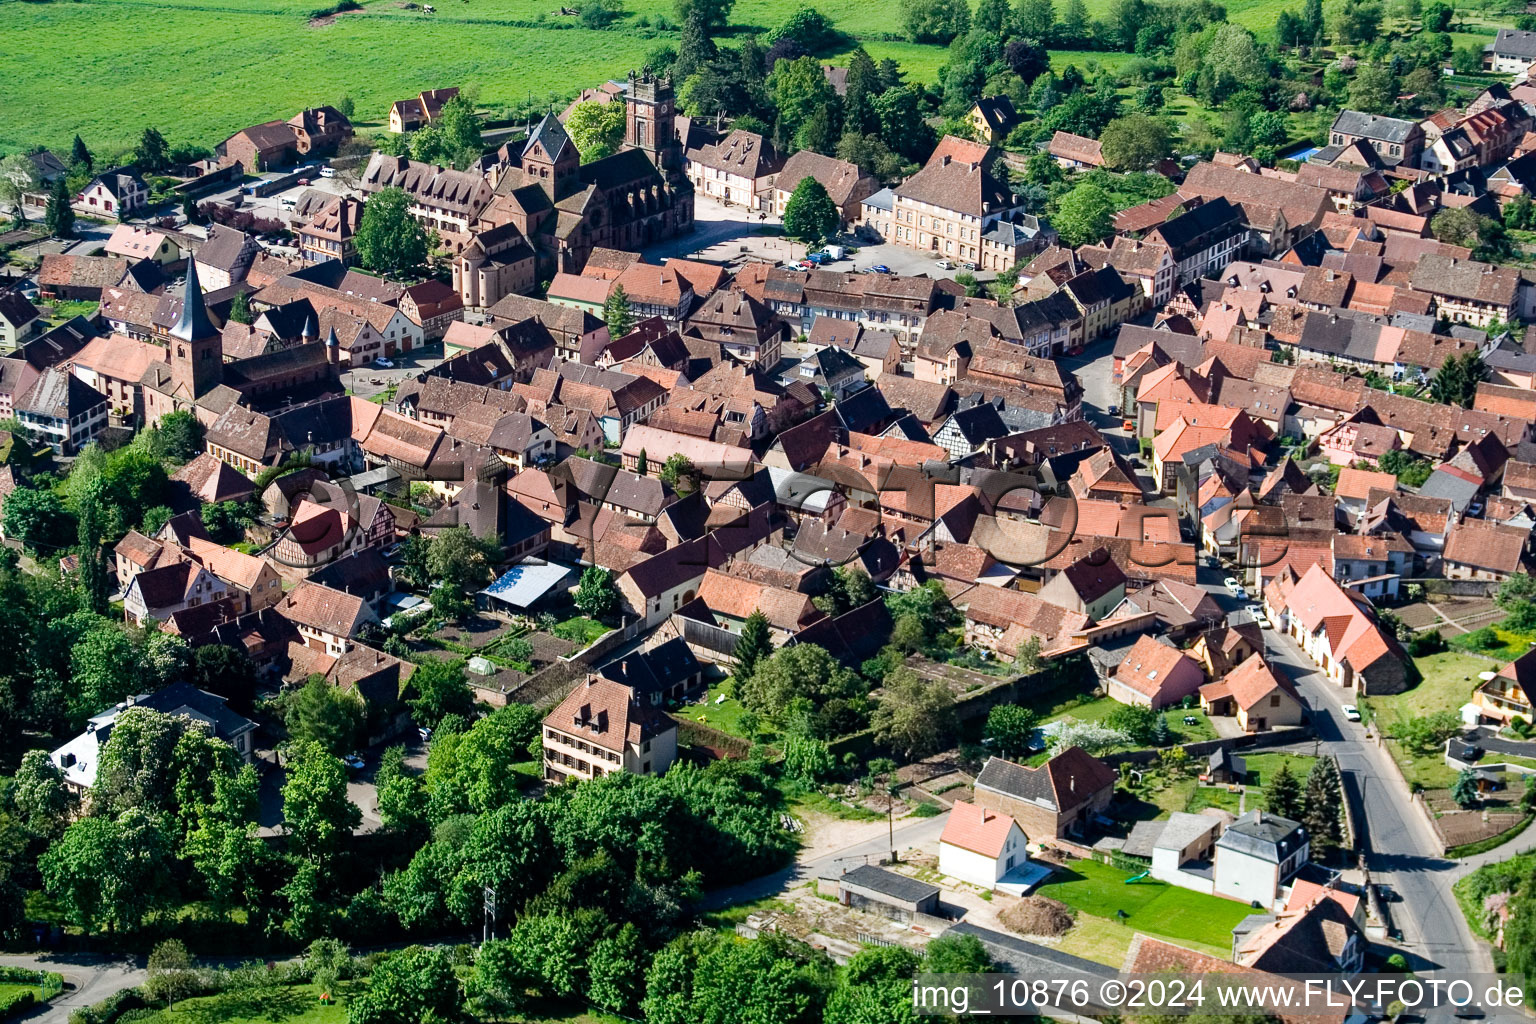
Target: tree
x=935, y=21
x=903, y=124
x=1085, y=214
x=807, y=759
x=39, y=795
x=712, y=14
x=810, y=215
x=752, y=645
x=1072, y=28
x=1324, y=814
x=1373, y=89
x=1036, y=20
x=800, y=92
x=617, y=313
x=326, y=715
x=170, y=975
x=1424, y=733
x=59, y=217
x=596, y=595
x=915, y=716
x=317, y=815
x=1459, y=226
x=804, y=670
x=460, y=559
x=152, y=152
x=228, y=672
x=1011, y=727
x=1312, y=20
x=438, y=689
x=1455, y=383
x=18, y=176
x=615, y=967
x=108, y=871
x=414, y=985
x=95, y=582
x=808, y=27
x=1027, y=59
x=1027, y=659
x=696, y=49
x=37, y=518
x=80, y=155
x=105, y=667
x=1465, y=791
x=389, y=240
x=678, y=473
x=1282, y=794
x=597, y=129
x=1136, y=141
x=992, y=18
x=956, y=954
x=240, y=309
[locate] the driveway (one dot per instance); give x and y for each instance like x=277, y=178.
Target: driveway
x=913, y=833
x=88, y=978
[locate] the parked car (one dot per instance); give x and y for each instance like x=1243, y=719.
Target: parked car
x=385, y=363
x=945, y=264
x=1469, y=753
x=1231, y=584
x=1114, y=410
x=327, y=172
x=425, y=734
x=967, y=266
x=1351, y=712
x=354, y=763
x=1264, y=623
x=303, y=181
x=880, y=268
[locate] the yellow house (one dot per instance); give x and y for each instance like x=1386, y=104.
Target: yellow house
x=1254, y=695
x=1507, y=695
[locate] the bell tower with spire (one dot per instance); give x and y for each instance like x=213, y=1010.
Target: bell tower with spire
x=197, y=348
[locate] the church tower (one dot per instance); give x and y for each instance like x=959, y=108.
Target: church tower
x=197, y=348
x=650, y=121
x=550, y=158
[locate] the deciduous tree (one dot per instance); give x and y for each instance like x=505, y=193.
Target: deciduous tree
x=810, y=215
x=1085, y=214
x=596, y=129
x=596, y=595
x=1011, y=727
x=389, y=240
x=317, y=815
x=915, y=716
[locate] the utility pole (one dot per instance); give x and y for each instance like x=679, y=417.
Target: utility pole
x=490, y=915
x=890, y=819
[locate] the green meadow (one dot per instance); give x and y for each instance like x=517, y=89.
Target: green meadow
x=199, y=70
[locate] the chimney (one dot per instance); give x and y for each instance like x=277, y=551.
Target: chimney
x=945, y=161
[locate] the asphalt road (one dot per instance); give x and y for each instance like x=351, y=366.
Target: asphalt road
x=88, y=978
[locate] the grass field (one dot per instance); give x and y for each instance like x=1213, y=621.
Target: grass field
x=1448, y=681
x=300, y=1004
x=1157, y=908
x=201, y=69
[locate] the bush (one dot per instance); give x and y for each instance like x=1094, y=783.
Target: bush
x=111, y=1009
x=1484, y=639
x=1426, y=643
x=17, y=1002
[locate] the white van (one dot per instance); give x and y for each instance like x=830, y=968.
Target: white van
x=327, y=172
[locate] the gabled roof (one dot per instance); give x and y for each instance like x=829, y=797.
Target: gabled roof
x=1066, y=780
x=977, y=829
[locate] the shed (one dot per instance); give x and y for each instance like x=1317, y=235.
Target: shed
x=521, y=587
x=878, y=891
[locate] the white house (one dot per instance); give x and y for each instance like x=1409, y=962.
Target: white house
x=1181, y=854
x=79, y=758
x=1257, y=855
x=979, y=845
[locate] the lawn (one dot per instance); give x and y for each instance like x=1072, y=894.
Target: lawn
x=1103, y=707
x=1447, y=683
x=725, y=716
x=1106, y=942
x=1189, y=795
x=288, y=1004
x=580, y=630
x=1157, y=908
x=1512, y=643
